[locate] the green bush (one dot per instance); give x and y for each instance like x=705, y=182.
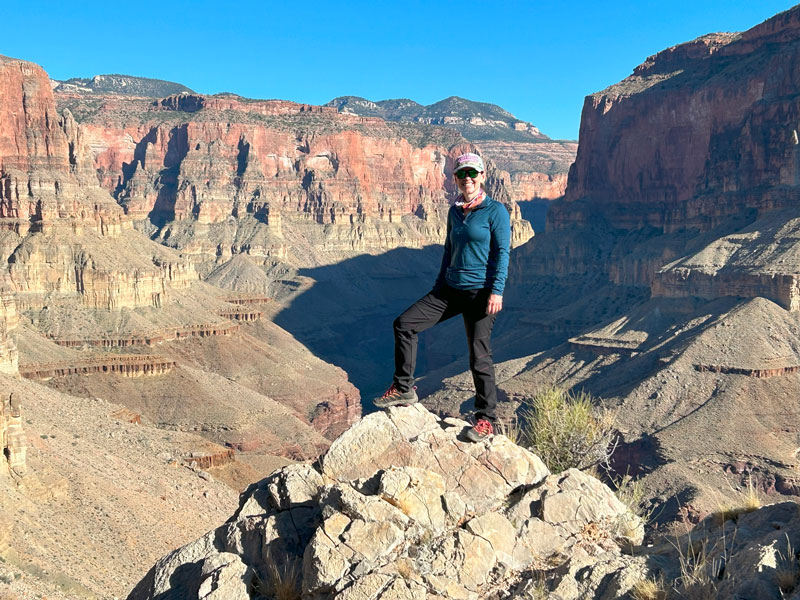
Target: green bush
x=566, y=430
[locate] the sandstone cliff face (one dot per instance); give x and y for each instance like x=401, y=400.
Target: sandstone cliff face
x=59, y=231
x=698, y=141
x=698, y=132
x=39, y=171
x=537, y=165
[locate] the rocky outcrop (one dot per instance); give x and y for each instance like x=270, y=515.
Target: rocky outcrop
x=9, y=358
x=400, y=507
x=12, y=437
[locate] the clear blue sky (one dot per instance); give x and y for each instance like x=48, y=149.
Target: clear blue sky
x=536, y=59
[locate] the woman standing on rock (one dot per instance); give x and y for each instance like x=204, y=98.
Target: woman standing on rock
x=470, y=283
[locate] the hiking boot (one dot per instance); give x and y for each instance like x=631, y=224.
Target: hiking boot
x=480, y=431
x=394, y=397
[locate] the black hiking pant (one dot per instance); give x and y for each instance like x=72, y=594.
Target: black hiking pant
x=440, y=305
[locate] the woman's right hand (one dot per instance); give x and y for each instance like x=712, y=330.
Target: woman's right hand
x=495, y=304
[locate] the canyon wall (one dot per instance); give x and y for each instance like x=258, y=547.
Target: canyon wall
x=40, y=175
x=270, y=172
x=84, y=277
x=701, y=140
x=698, y=132
x=59, y=231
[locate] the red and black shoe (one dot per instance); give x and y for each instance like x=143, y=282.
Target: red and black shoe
x=480, y=431
x=394, y=397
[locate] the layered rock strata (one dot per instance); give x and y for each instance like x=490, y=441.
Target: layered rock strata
x=151, y=338
x=59, y=231
x=536, y=164
x=219, y=161
x=84, y=277
x=41, y=175
x=700, y=139
x=127, y=366
x=399, y=505
x=761, y=260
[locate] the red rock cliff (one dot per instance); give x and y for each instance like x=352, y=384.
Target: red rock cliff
x=40, y=176
x=698, y=132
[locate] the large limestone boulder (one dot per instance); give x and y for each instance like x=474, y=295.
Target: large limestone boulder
x=401, y=507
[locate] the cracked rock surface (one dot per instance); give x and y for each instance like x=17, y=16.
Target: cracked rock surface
x=400, y=507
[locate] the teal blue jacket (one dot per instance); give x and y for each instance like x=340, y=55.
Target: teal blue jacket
x=476, y=248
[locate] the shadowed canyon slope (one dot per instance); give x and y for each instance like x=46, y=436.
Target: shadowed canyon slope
x=678, y=234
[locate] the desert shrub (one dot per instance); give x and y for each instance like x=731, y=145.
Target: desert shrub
x=566, y=430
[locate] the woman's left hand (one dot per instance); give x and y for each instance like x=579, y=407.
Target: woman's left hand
x=495, y=304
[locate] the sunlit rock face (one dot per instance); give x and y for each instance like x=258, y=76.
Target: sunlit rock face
x=698, y=132
x=700, y=141
x=41, y=178
x=224, y=161
x=59, y=231
x=9, y=359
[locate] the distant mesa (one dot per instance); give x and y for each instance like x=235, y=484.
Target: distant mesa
x=126, y=85
x=474, y=120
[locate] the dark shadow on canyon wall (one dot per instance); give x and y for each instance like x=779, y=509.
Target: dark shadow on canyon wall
x=346, y=318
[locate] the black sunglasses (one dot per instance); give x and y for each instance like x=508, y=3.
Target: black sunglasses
x=462, y=174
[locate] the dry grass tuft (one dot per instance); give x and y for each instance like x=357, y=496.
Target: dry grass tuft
x=649, y=589
x=566, y=430
x=788, y=573
x=748, y=501
x=511, y=430
x=631, y=493
x=280, y=583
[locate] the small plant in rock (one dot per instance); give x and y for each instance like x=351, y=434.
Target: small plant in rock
x=279, y=582
x=788, y=572
x=566, y=430
x=510, y=429
x=632, y=494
